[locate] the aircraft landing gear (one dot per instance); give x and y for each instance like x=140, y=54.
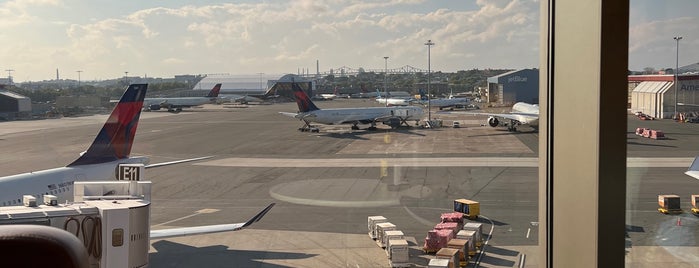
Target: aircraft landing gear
x=308, y=128
x=513, y=126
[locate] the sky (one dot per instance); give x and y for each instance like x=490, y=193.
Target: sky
x=163, y=38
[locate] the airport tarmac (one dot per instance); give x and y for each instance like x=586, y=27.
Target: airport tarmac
x=326, y=184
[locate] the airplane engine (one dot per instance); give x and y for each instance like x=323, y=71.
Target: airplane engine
x=154, y=107
x=493, y=122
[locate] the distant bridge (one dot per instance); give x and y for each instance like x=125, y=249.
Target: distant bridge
x=345, y=71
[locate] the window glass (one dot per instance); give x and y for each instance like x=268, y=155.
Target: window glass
x=662, y=131
x=469, y=69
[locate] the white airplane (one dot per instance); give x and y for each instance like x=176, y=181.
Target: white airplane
x=393, y=101
x=693, y=170
x=243, y=99
x=111, y=148
x=175, y=105
x=444, y=103
x=310, y=113
x=522, y=114
x=326, y=96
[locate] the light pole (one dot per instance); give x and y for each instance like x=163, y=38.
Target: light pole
x=429, y=45
x=385, y=79
x=9, y=75
x=677, y=69
x=126, y=77
x=79, y=77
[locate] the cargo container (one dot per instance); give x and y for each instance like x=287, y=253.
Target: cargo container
x=371, y=224
x=477, y=227
x=454, y=226
x=468, y=235
x=669, y=204
x=450, y=254
x=381, y=229
x=469, y=208
x=437, y=239
x=398, y=253
x=391, y=234
x=438, y=263
x=461, y=245
x=695, y=202
x=457, y=217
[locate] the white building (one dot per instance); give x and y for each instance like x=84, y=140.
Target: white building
x=654, y=95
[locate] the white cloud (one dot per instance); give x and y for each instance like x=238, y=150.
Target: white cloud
x=651, y=44
x=281, y=37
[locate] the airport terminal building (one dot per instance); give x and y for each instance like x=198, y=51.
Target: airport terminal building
x=654, y=95
x=515, y=86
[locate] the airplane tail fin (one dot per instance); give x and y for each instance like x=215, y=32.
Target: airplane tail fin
x=693, y=170
x=214, y=91
x=302, y=100
x=116, y=137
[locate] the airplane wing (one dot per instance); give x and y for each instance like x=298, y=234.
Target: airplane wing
x=693, y=170
x=208, y=229
x=289, y=114
x=300, y=116
x=177, y=162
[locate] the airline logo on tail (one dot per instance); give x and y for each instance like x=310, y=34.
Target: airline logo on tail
x=302, y=100
x=116, y=136
x=214, y=91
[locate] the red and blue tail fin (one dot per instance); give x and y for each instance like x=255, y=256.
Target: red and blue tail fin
x=116, y=137
x=214, y=91
x=302, y=100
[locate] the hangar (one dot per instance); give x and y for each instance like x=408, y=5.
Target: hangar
x=256, y=84
x=515, y=86
x=654, y=95
x=13, y=105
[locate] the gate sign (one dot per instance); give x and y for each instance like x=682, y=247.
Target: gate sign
x=129, y=172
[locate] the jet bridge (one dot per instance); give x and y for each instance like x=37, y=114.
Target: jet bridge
x=111, y=218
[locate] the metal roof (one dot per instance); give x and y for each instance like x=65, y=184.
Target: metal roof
x=652, y=87
x=13, y=95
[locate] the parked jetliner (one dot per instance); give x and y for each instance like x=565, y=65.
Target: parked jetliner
x=693, y=170
x=443, y=103
x=309, y=112
x=175, y=105
x=393, y=101
x=522, y=114
x=111, y=147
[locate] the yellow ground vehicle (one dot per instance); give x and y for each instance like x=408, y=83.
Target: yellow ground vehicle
x=469, y=208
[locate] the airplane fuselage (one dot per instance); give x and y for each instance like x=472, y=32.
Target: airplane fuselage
x=178, y=102
x=362, y=115
x=394, y=101
x=448, y=102
x=57, y=181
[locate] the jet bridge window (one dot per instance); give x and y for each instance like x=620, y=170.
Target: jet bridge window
x=117, y=237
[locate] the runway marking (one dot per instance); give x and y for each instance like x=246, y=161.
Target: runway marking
x=424, y=162
x=201, y=211
x=528, y=231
